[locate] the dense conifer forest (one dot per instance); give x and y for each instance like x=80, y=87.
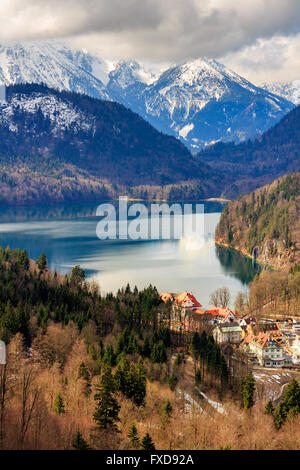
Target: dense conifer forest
x=91, y=371
x=254, y=163
x=265, y=223
x=65, y=146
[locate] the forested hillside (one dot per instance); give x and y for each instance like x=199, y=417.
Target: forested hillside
x=266, y=223
x=86, y=371
x=66, y=147
x=62, y=146
x=87, y=361
x=255, y=163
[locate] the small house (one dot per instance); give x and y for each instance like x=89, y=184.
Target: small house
x=227, y=333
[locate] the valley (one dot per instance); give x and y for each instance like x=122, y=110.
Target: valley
x=131, y=342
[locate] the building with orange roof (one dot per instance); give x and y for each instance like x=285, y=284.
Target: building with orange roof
x=165, y=296
x=187, y=300
x=222, y=314
x=183, y=305
x=247, y=325
x=266, y=350
x=195, y=320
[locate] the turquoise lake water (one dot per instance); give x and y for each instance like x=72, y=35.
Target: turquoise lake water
x=67, y=235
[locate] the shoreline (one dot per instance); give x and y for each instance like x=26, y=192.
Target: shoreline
x=217, y=199
x=246, y=254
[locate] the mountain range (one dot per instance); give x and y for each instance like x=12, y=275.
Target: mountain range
x=64, y=146
x=199, y=102
x=288, y=90
x=254, y=163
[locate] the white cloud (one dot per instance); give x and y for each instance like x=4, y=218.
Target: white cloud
x=164, y=30
x=275, y=59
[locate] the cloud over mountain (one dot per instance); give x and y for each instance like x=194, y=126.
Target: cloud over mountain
x=153, y=29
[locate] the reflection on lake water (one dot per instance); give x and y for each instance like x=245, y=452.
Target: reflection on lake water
x=67, y=234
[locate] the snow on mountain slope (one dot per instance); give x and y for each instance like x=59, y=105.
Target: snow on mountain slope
x=55, y=65
x=288, y=90
x=209, y=101
x=199, y=102
x=61, y=113
x=127, y=73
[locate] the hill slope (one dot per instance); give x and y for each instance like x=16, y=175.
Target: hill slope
x=266, y=223
x=48, y=134
x=255, y=163
x=55, y=65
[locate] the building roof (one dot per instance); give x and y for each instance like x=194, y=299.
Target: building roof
x=263, y=340
x=187, y=296
x=165, y=296
x=249, y=320
x=221, y=312
x=229, y=327
x=272, y=327
x=199, y=311
x=181, y=299
x=196, y=316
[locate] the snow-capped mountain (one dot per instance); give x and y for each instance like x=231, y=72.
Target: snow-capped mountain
x=200, y=102
x=55, y=65
x=288, y=90
x=60, y=113
x=40, y=126
x=128, y=73
x=127, y=82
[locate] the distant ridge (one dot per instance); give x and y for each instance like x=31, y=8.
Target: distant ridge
x=59, y=146
x=199, y=102
x=255, y=163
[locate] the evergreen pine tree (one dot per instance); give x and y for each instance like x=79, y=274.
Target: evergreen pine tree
x=59, y=406
x=109, y=357
x=107, y=407
x=247, y=391
x=84, y=374
x=140, y=384
x=178, y=360
x=79, y=443
x=280, y=415
x=77, y=275
x=168, y=409
x=146, y=348
x=269, y=408
x=158, y=352
x=122, y=376
x=291, y=398
x=42, y=262
x=147, y=443
x=134, y=436
x=172, y=381
x=198, y=376
x=131, y=380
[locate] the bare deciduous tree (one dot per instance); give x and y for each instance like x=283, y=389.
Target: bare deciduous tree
x=220, y=297
x=29, y=396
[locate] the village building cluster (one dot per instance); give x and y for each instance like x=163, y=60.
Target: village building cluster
x=267, y=343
